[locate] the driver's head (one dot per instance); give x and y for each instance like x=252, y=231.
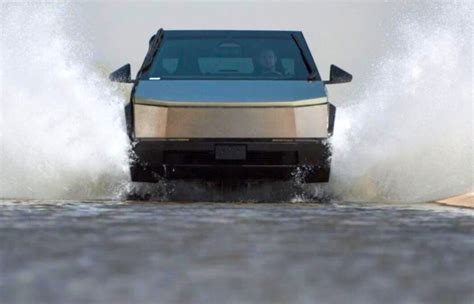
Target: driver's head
x=267, y=59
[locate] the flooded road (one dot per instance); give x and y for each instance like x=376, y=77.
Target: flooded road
x=116, y=252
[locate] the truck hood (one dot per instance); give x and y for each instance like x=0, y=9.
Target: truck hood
x=186, y=92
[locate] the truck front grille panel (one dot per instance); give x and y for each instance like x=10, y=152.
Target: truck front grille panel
x=208, y=158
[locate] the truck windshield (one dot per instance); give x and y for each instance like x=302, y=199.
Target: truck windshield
x=223, y=58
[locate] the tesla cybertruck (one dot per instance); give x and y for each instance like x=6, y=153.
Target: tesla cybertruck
x=225, y=104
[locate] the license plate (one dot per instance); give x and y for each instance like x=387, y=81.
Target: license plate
x=231, y=152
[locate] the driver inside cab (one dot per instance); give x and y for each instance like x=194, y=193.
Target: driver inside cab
x=267, y=63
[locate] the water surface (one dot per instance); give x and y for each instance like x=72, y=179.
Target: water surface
x=119, y=252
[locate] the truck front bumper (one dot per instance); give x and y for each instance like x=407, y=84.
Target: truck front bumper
x=207, y=159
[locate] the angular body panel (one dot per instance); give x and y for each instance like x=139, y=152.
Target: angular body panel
x=231, y=122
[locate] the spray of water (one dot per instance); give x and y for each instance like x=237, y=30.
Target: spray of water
x=62, y=127
x=409, y=135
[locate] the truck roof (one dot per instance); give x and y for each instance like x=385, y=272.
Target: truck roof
x=219, y=33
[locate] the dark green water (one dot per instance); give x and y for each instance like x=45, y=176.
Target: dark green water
x=116, y=252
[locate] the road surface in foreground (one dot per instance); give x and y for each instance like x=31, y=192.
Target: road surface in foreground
x=116, y=252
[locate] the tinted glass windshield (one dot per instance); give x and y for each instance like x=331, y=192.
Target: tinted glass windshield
x=224, y=58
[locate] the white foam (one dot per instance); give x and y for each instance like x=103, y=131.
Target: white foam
x=62, y=126
x=409, y=135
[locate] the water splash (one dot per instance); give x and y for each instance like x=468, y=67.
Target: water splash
x=409, y=136
x=62, y=127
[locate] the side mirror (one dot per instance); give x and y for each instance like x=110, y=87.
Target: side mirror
x=338, y=75
x=121, y=75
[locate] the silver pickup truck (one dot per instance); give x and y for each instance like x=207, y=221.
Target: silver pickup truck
x=226, y=104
